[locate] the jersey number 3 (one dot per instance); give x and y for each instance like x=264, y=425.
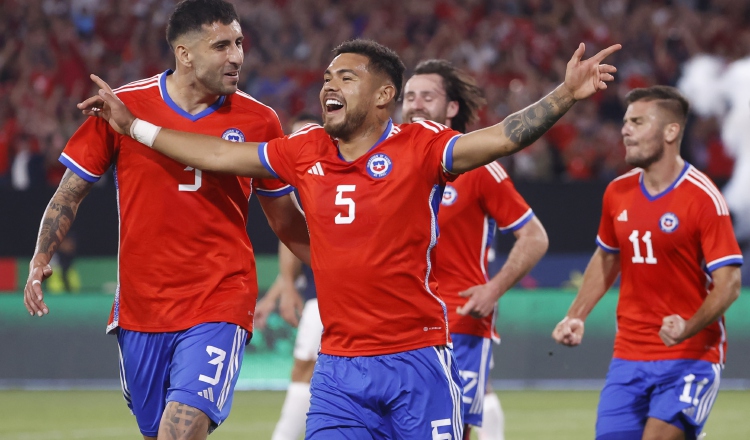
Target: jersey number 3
x=196, y=184
x=637, y=256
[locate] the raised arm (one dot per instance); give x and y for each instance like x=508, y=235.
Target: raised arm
x=207, y=153
x=727, y=283
x=530, y=246
x=56, y=222
x=583, y=78
x=597, y=279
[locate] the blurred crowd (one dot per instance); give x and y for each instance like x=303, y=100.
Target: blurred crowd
x=517, y=50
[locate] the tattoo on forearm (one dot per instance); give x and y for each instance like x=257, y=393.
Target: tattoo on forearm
x=61, y=212
x=181, y=421
x=526, y=126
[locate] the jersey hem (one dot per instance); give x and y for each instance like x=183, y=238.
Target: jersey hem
x=173, y=329
x=384, y=351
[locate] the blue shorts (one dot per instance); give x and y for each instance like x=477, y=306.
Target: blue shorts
x=411, y=395
x=197, y=367
x=679, y=392
x=473, y=356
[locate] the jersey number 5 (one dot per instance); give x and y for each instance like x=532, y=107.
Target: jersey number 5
x=637, y=257
x=345, y=201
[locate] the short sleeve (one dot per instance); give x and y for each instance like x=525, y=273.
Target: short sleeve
x=437, y=141
x=276, y=156
x=606, y=238
x=90, y=151
x=717, y=238
x=500, y=199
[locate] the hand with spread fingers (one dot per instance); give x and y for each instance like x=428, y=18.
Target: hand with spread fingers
x=108, y=106
x=583, y=78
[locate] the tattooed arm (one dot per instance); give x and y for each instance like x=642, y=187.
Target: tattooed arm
x=56, y=222
x=519, y=130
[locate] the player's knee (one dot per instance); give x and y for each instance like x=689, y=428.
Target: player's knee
x=622, y=435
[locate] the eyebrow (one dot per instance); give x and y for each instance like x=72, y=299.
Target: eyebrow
x=341, y=71
x=227, y=41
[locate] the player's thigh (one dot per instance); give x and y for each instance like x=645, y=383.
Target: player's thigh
x=473, y=357
x=425, y=401
x=145, y=360
x=309, y=332
x=623, y=403
x=686, y=394
x=660, y=430
x=337, y=403
x=205, y=366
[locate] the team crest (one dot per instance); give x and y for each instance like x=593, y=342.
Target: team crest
x=379, y=165
x=668, y=222
x=233, y=135
x=449, y=196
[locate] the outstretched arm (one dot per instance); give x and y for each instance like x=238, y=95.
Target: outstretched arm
x=204, y=152
x=56, y=222
x=531, y=244
x=583, y=78
x=597, y=279
x=727, y=283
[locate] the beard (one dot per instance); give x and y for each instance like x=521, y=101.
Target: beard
x=646, y=161
x=439, y=118
x=352, y=122
x=215, y=83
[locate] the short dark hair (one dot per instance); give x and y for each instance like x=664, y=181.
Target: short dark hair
x=191, y=15
x=460, y=87
x=382, y=59
x=668, y=98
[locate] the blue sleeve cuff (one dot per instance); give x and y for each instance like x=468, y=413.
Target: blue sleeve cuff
x=78, y=170
x=263, y=155
x=448, y=154
x=606, y=248
x=275, y=192
x=732, y=260
x=518, y=224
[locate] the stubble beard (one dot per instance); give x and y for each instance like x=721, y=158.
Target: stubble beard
x=352, y=122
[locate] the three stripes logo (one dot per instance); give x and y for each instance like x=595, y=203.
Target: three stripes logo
x=316, y=169
x=623, y=217
x=208, y=393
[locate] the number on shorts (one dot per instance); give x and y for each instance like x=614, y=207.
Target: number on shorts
x=685, y=396
x=437, y=424
x=470, y=379
x=218, y=361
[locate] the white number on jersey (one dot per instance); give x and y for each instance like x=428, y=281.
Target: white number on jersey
x=345, y=201
x=196, y=184
x=437, y=424
x=470, y=379
x=637, y=257
x=218, y=361
x=685, y=396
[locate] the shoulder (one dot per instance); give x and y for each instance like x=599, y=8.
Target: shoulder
x=139, y=90
x=422, y=127
x=248, y=103
x=495, y=171
x=626, y=181
x=702, y=190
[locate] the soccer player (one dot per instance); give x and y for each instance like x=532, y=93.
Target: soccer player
x=291, y=424
x=187, y=284
x=472, y=207
x=371, y=190
x=666, y=229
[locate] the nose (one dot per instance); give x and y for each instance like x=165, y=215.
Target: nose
x=236, y=55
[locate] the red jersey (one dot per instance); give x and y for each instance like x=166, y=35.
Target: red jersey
x=668, y=244
x=373, y=230
x=184, y=257
x=472, y=207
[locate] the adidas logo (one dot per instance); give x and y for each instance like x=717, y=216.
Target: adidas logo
x=208, y=393
x=316, y=169
x=623, y=217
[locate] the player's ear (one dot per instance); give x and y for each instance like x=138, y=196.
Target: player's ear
x=182, y=55
x=386, y=94
x=452, y=110
x=672, y=132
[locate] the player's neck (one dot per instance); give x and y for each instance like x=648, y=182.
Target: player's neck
x=661, y=174
x=188, y=93
x=359, y=143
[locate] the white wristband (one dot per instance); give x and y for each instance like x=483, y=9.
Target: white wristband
x=144, y=132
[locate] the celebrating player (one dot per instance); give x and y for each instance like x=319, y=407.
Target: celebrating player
x=186, y=281
x=472, y=207
x=666, y=228
x=371, y=190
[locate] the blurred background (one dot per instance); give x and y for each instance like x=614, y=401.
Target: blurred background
x=516, y=49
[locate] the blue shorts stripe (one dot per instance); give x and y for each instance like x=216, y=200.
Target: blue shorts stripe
x=237, y=345
x=455, y=390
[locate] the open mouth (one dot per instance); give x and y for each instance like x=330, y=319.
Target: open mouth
x=333, y=105
x=233, y=75
x=417, y=118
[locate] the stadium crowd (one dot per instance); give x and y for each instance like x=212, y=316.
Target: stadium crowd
x=516, y=48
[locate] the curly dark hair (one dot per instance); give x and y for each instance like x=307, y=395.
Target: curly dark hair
x=382, y=59
x=460, y=87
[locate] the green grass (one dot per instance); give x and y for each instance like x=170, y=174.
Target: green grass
x=530, y=415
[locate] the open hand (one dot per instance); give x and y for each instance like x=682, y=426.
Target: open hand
x=481, y=303
x=108, y=106
x=583, y=78
x=33, y=297
x=568, y=332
